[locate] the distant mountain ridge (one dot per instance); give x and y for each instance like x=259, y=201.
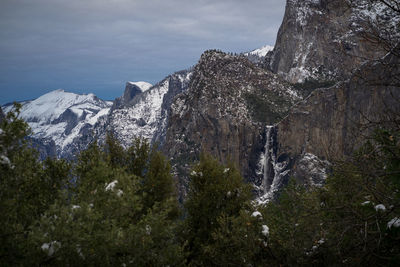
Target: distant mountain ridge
x=62, y=117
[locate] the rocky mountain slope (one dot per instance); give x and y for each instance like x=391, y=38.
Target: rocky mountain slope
x=222, y=112
x=331, y=124
x=325, y=39
x=143, y=114
x=233, y=110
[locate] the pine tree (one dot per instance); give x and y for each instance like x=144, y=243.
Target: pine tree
x=218, y=205
x=138, y=157
x=115, y=152
x=105, y=217
x=158, y=183
x=27, y=187
x=353, y=220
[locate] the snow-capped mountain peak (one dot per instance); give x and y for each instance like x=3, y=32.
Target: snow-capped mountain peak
x=50, y=106
x=61, y=116
x=261, y=52
x=144, y=86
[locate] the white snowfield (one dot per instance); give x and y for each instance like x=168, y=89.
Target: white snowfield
x=50, y=106
x=145, y=117
x=261, y=52
x=141, y=119
x=144, y=86
x=45, y=115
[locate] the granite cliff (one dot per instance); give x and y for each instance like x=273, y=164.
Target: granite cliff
x=330, y=124
x=236, y=111
x=222, y=112
x=326, y=40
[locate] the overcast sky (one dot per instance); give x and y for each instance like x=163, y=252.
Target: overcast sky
x=96, y=46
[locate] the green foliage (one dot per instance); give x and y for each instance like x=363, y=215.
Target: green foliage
x=138, y=155
x=115, y=152
x=260, y=106
x=305, y=88
x=349, y=221
x=108, y=228
x=113, y=206
x=27, y=186
x=295, y=225
x=158, y=183
x=238, y=241
x=218, y=206
x=112, y=216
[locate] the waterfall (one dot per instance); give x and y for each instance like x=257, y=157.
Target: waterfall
x=271, y=171
x=265, y=160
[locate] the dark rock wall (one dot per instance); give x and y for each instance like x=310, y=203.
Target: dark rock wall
x=2, y=115
x=332, y=123
x=320, y=40
x=214, y=114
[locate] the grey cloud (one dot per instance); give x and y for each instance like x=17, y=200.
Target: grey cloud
x=94, y=43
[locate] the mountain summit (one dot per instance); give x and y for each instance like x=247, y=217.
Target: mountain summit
x=62, y=117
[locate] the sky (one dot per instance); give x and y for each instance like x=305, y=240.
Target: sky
x=96, y=46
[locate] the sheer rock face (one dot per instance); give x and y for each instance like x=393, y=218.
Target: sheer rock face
x=2, y=115
x=326, y=40
x=144, y=114
x=219, y=112
x=131, y=91
x=323, y=39
x=332, y=123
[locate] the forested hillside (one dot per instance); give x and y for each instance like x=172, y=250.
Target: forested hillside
x=118, y=206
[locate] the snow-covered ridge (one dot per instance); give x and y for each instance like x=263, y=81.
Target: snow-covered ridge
x=144, y=86
x=261, y=52
x=141, y=119
x=61, y=115
x=145, y=117
x=50, y=106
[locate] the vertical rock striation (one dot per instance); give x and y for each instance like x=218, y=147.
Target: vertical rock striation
x=332, y=123
x=223, y=111
x=324, y=39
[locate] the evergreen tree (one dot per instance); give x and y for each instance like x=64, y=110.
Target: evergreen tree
x=295, y=227
x=361, y=204
x=106, y=219
x=27, y=187
x=353, y=220
x=115, y=151
x=158, y=183
x=138, y=157
x=218, y=206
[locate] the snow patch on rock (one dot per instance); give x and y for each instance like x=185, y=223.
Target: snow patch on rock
x=261, y=52
x=144, y=86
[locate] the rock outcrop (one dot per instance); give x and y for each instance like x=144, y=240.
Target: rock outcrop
x=2, y=115
x=131, y=91
x=332, y=123
x=143, y=114
x=337, y=40
x=223, y=110
x=324, y=39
